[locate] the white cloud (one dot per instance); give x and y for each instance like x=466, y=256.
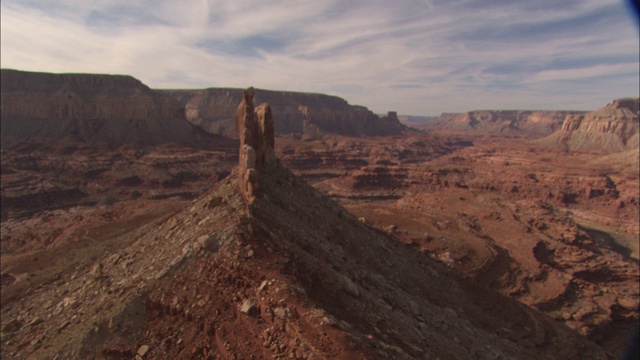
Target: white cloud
x=420, y=57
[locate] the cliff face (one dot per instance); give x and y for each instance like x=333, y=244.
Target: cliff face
x=527, y=123
x=299, y=113
x=613, y=128
x=117, y=110
x=114, y=109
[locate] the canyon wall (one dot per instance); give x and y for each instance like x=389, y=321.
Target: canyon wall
x=613, y=128
x=298, y=113
x=111, y=109
x=119, y=109
x=505, y=122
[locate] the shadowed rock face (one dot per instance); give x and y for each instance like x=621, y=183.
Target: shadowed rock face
x=298, y=113
x=111, y=109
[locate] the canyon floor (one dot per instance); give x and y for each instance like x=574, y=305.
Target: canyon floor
x=552, y=230
x=557, y=231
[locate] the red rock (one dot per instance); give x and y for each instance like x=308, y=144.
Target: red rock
x=385, y=299
x=503, y=123
x=613, y=128
x=90, y=108
x=298, y=113
x=266, y=124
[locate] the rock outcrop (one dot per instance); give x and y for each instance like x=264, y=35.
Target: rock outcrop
x=90, y=108
x=298, y=113
x=504, y=122
x=256, y=133
x=265, y=118
x=613, y=128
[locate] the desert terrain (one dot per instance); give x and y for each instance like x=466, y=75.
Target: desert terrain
x=521, y=219
x=488, y=235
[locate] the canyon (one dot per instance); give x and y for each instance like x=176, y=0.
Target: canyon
x=299, y=113
x=504, y=122
x=509, y=236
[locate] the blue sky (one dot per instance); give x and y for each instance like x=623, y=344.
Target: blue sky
x=419, y=57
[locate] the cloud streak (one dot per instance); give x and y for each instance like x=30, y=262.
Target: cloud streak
x=416, y=57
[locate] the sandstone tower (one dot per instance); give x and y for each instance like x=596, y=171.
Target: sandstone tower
x=256, y=133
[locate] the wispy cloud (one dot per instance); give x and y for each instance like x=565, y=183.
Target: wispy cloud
x=584, y=73
x=413, y=56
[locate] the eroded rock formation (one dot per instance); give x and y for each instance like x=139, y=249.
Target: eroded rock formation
x=505, y=122
x=90, y=108
x=256, y=133
x=304, y=114
x=265, y=118
x=613, y=128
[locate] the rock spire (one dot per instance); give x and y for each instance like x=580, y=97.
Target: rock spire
x=256, y=133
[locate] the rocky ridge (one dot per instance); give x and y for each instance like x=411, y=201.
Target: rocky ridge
x=216, y=280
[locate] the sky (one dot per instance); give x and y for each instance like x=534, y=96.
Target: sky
x=416, y=57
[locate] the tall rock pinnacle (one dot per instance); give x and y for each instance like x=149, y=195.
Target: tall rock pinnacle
x=256, y=133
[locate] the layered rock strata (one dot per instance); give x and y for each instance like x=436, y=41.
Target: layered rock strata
x=90, y=108
x=305, y=114
x=613, y=128
x=505, y=122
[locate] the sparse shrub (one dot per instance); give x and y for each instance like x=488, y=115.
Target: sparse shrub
x=108, y=201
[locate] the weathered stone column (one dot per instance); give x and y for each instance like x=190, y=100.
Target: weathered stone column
x=256, y=132
x=249, y=135
x=265, y=119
